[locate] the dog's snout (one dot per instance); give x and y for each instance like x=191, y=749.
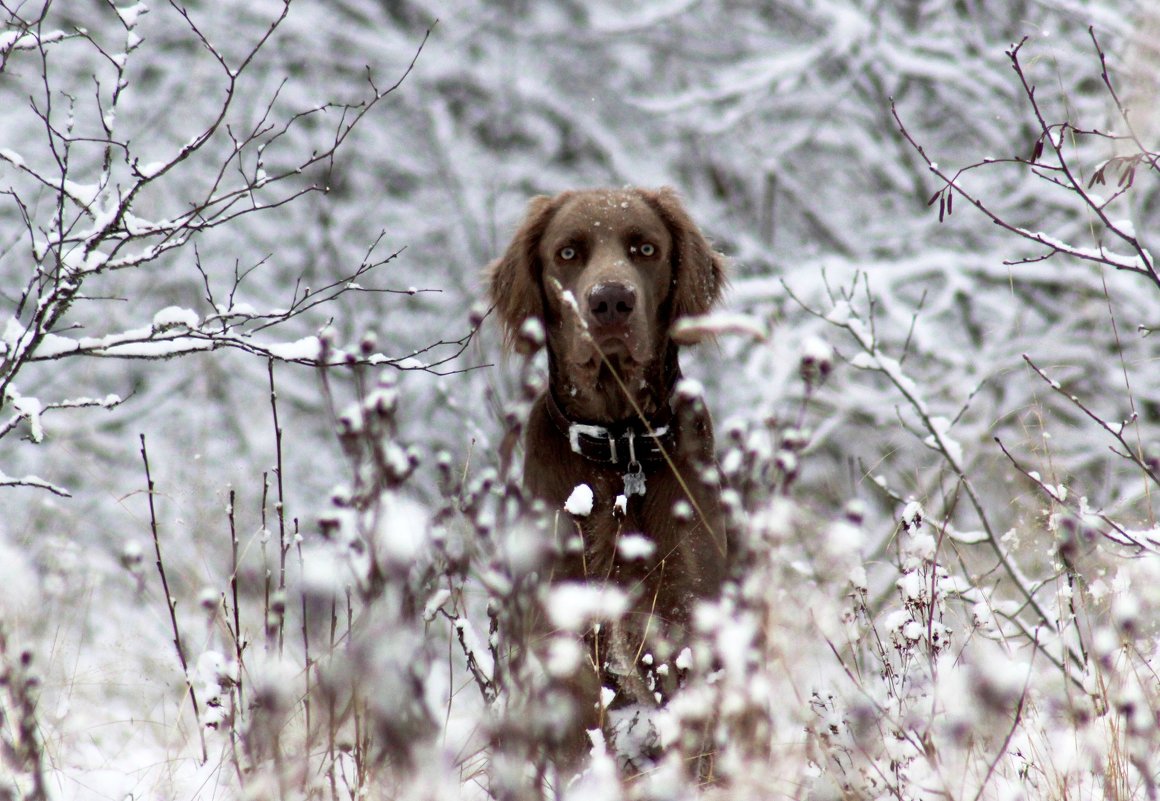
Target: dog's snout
x=610, y=304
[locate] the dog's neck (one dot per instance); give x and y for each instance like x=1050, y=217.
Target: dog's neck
x=613, y=399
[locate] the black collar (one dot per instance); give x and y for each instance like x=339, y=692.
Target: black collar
x=628, y=443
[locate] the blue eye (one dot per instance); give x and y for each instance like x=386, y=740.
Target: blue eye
x=647, y=249
x=567, y=254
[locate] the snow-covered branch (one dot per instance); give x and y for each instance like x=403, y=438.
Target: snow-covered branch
x=934, y=430
x=1056, y=158
x=100, y=180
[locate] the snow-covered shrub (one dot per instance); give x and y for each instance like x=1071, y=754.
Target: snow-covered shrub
x=916, y=610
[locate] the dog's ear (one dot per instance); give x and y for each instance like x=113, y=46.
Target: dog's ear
x=513, y=280
x=698, y=270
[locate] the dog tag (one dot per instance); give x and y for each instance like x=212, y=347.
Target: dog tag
x=634, y=480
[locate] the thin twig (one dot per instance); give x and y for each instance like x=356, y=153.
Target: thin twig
x=170, y=601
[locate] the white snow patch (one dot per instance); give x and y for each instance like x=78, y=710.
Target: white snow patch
x=324, y=573
x=30, y=409
x=843, y=539
x=857, y=577
x=239, y=310
x=152, y=169
x=305, y=349
x=18, y=587
x=577, y=430
x=939, y=440
x=635, y=546
x=620, y=505
x=579, y=503
x=689, y=389
x=817, y=350
x=564, y=657
x=403, y=530
x=912, y=515
x=691, y=330
x=474, y=646
x=840, y=314
x=607, y=694
x=172, y=316
x=1125, y=227
x=435, y=603
x=130, y=14
x=571, y=605
x=532, y=331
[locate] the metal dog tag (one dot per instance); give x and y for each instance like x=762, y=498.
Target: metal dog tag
x=634, y=480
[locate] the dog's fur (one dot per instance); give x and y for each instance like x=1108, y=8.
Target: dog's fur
x=607, y=272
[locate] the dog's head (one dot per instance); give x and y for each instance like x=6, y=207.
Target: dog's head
x=607, y=272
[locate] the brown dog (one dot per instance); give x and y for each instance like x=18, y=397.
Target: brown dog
x=607, y=272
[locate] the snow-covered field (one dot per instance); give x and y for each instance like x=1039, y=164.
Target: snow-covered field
x=257, y=538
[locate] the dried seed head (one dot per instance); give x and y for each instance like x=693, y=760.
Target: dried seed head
x=475, y=314
x=817, y=360
x=369, y=343
x=208, y=599
x=530, y=337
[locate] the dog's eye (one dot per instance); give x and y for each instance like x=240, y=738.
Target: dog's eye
x=648, y=249
x=567, y=253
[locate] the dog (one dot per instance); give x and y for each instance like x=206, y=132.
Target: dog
x=606, y=273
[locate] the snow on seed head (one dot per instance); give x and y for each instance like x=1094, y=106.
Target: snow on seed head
x=580, y=502
x=635, y=546
x=209, y=599
x=912, y=515
x=817, y=360
x=564, y=657
x=531, y=334
x=369, y=343
x=574, y=606
x=689, y=389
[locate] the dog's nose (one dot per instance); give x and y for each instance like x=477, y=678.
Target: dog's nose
x=610, y=304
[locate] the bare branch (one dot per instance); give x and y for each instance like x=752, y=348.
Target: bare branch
x=1062, y=173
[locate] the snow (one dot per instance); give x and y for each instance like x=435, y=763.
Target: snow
x=913, y=515
x=577, y=430
x=435, y=603
x=403, y=530
x=940, y=440
x=172, y=316
x=817, y=350
x=18, y=585
x=635, y=546
x=620, y=505
x=781, y=154
x=580, y=500
x=690, y=330
x=30, y=409
x=532, y=330
x=565, y=656
x=573, y=606
x=305, y=349
x=131, y=14
x=475, y=646
x=689, y=389
x=151, y=169
x=844, y=539
x=1125, y=227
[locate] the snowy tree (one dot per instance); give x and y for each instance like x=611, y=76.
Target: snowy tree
x=300, y=552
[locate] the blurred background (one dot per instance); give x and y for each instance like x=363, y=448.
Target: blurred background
x=772, y=118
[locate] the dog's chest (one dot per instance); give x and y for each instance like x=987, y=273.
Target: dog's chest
x=623, y=535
